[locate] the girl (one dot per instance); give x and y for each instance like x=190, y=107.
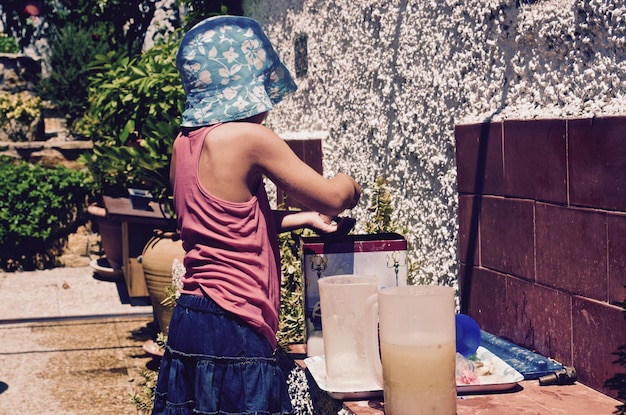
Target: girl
x=219, y=357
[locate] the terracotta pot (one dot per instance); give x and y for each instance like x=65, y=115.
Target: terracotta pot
x=32, y=8
x=110, y=236
x=157, y=258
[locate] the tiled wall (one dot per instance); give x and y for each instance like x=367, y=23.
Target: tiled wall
x=309, y=151
x=542, y=237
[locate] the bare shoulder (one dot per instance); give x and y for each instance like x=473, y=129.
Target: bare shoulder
x=257, y=141
x=247, y=148
x=248, y=131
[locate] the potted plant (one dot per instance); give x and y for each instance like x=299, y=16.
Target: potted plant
x=133, y=116
x=134, y=111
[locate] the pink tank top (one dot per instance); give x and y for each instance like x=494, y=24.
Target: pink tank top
x=231, y=248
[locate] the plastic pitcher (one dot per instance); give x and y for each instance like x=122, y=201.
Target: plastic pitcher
x=417, y=348
x=342, y=303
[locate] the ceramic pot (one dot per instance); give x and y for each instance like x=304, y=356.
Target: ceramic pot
x=110, y=236
x=157, y=259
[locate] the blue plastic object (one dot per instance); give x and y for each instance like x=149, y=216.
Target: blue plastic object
x=467, y=335
x=528, y=363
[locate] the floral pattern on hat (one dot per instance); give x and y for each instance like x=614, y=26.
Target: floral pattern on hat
x=229, y=71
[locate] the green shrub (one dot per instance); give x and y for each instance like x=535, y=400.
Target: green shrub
x=38, y=206
x=70, y=49
x=134, y=110
x=198, y=10
x=291, y=325
x=121, y=23
x=133, y=118
x=17, y=113
x=8, y=44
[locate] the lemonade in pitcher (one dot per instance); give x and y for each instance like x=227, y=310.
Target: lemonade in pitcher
x=416, y=329
x=419, y=380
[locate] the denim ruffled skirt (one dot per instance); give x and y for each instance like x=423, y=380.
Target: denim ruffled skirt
x=214, y=363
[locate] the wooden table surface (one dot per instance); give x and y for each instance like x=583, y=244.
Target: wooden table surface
x=120, y=209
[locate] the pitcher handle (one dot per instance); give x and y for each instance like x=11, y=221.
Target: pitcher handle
x=372, y=348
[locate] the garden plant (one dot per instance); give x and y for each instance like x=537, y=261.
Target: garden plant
x=39, y=208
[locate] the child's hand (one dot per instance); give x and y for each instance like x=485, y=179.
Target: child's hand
x=333, y=225
x=323, y=223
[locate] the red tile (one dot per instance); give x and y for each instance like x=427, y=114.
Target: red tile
x=485, y=298
x=571, y=250
x=616, y=230
x=526, y=398
x=597, y=162
x=312, y=154
x=535, y=162
x=507, y=236
x=469, y=239
x=309, y=151
x=479, y=158
x=540, y=319
x=599, y=329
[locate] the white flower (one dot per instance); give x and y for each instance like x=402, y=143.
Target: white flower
x=178, y=273
x=228, y=74
x=207, y=36
x=253, y=53
x=191, y=55
x=249, y=33
x=205, y=77
x=230, y=55
x=241, y=103
x=230, y=93
x=258, y=93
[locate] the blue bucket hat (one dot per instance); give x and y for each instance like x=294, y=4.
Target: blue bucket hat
x=230, y=71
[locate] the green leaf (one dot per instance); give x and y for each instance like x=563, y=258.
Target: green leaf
x=128, y=128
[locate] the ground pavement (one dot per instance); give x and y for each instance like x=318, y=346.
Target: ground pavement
x=69, y=344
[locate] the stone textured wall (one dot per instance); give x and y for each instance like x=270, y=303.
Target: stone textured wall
x=388, y=81
x=18, y=73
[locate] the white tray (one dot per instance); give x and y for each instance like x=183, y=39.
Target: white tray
x=317, y=367
x=504, y=377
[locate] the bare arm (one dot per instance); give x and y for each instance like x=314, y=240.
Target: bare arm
x=329, y=196
x=236, y=155
x=290, y=220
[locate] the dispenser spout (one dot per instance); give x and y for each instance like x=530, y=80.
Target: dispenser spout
x=565, y=376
